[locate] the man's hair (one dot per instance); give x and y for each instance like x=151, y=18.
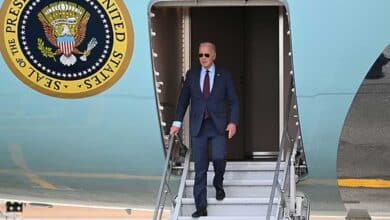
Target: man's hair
x=208, y=44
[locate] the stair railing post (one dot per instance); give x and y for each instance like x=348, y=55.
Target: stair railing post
x=292, y=175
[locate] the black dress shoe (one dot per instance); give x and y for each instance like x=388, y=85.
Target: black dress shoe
x=198, y=213
x=220, y=194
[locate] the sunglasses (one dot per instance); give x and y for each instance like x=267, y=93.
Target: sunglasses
x=204, y=54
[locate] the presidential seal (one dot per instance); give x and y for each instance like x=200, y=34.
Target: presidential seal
x=67, y=49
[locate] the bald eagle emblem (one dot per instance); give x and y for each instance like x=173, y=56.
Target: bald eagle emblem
x=65, y=27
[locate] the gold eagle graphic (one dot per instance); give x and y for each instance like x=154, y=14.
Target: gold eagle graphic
x=70, y=29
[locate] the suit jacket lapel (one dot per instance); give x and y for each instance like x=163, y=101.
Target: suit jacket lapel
x=197, y=80
x=217, y=75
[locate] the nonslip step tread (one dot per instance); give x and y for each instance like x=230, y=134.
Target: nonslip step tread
x=226, y=218
x=246, y=166
x=267, y=182
x=231, y=201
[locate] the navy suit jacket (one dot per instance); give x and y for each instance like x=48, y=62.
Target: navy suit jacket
x=222, y=92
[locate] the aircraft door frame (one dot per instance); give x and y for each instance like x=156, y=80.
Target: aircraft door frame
x=186, y=65
x=283, y=51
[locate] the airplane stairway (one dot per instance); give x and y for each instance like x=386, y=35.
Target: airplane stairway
x=254, y=190
x=247, y=186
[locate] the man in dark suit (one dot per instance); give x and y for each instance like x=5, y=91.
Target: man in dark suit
x=208, y=88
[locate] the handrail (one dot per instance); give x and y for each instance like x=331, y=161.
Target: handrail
x=182, y=184
x=160, y=206
x=276, y=182
x=281, y=153
x=276, y=175
x=164, y=185
x=290, y=168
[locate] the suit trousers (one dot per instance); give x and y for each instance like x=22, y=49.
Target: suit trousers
x=208, y=132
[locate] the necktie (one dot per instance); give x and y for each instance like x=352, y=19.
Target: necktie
x=206, y=85
x=206, y=91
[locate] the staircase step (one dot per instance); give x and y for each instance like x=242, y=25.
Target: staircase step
x=234, y=191
x=226, y=201
x=247, y=185
x=236, y=182
x=231, y=207
x=240, y=175
x=227, y=218
x=245, y=166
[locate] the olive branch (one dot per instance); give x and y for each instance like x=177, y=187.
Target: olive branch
x=45, y=51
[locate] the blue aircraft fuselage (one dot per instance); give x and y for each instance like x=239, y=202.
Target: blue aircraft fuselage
x=117, y=131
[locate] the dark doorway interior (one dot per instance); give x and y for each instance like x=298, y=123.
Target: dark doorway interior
x=247, y=40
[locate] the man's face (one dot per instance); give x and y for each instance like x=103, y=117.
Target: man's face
x=206, y=56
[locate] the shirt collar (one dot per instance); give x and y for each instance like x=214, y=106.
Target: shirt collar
x=211, y=69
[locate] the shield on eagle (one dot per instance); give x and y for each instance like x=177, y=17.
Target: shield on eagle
x=66, y=45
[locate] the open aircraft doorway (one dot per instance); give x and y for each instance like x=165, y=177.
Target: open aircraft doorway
x=253, y=43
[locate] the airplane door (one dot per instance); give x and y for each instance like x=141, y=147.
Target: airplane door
x=247, y=45
x=227, y=33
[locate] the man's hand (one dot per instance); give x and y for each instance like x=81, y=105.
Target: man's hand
x=174, y=130
x=231, y=128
